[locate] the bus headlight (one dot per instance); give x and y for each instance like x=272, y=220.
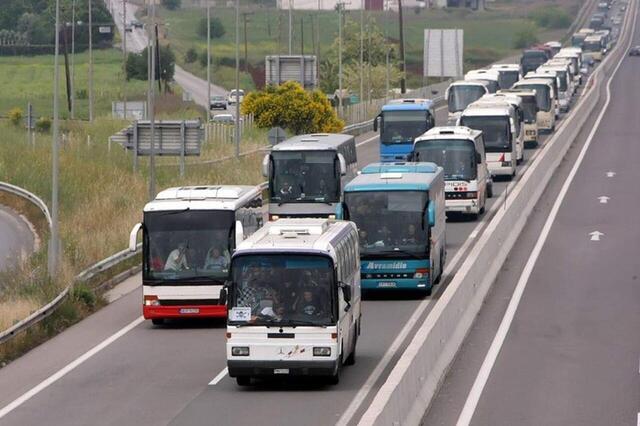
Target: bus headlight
x=274, y=217
x=472, y=194
x=322, y=351
x=240, y=350
x=421, y=273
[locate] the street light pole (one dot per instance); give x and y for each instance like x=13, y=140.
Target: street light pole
x=91, y=63
x=208, y=58
x=361, y=51
x=73, y=59
x=53, y=243
x=237, y=122
x=340, y=6
x=403, y=84
x=290, y=27
x=124, y=58
x=152, y=113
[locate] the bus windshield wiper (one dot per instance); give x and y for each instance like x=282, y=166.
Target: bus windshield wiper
x=400, y=251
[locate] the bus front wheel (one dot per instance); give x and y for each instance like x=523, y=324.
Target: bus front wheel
x=243, y=380
x=157, y=321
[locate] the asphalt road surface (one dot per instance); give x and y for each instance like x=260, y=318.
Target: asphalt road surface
x=16, y=238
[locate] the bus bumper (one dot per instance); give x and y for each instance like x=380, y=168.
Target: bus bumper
x=395, y=284
x=184, y=311
x=256, y=368
x=501, y=168
x=392, y=158
x=463, y=206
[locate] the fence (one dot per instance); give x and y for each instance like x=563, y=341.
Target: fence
x=219, y=131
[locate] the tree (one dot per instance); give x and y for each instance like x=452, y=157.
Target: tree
x=217, y=29
x=191, y=56
x=136, y=65
x=291, y=107
x=375, y=79
x=172, y=4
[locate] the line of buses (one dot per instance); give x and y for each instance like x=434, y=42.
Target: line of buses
x=288, y=275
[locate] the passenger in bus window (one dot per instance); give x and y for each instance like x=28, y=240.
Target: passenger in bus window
x=286, y=190
x=177, y=259
x=411, y=235
x=309, y=305
x=215, y=259
x=156, y=262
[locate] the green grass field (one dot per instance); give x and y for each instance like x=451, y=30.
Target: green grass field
x=30, y=79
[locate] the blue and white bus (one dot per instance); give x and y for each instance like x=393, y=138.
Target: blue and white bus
x=399, y=209
x=400, y=122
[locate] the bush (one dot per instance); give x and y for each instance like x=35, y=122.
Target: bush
x=291, y=107
x=172, y=4
x=551, y=17
x=15, y=116
x=82, y=94
x=191, y=56
x=43, y=124
x=217, y=29
x=136, y=65
x=202, y=58
x=525, y=37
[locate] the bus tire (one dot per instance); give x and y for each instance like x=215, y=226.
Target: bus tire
x=243, y=380
x=490, y=190
x=157, y=321
x=335, y=378
x=351, y=359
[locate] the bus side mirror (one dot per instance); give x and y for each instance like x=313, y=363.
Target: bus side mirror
x=431, y=213
x=446, y=94
x=133, y=237
x=266, y=161
x=346, y=292
x=478, y=158
x=343, y=165
x=222, y=298
x=239, y=233
x=375, y=123
x=339, y=211
x=513, y=126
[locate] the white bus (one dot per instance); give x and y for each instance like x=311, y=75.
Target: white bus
x=460, y=152
x=574, y=75
x=517, y=115
x=461, y=93
x=188, y=236
x=294, y=301
x=530, y=112
x=499, y=132
x=307, y=174
x=593, y=48
x=555, y=84
x=565, y=85
x=546, y=116
x=508, y=74
x=491, y=77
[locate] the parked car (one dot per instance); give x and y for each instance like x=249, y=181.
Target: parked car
x=635, y=51
x=223, y=119
x=137, y=24
x=128, y=28
x=231, y=99
x=218, y=102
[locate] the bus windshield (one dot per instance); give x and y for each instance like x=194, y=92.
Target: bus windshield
x=187, y=246
x=287, y=290
x=543, y=95
x=592, y=46
x=390, y=224
x=529, y=108
x=460, y=96
x=456, y=156
x=403, y=126
x=508, y=78
x=305, y=176
x=495, y=129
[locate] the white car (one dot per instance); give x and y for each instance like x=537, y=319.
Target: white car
x=231, y=99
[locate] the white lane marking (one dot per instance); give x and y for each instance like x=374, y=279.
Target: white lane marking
x=68, y=368
x=638, y=422
x=496, y=345
x=219, y=377
x=611, y=174
x=595, y=235
x=603, y=199
x=366, y=141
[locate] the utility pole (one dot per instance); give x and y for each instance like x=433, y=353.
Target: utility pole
x=361, y=50
x=67, y=76
x=152, y=112
x=403, y=83
x=237, y=122
x=73, y=59
x=208, y=60
x=53, y=244
x=340, y=7
x=91, y=63
x=302, y=35
x=290, y=27
x=124, y=60
x=246, y=55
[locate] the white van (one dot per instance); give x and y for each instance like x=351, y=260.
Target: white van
x=546, y=116
x=516, y=114
x=508, y=74
x=530, y=113
x=498, y=130
x=461, y=93
x=294, y=301
x=491, y=77
x=460, y=151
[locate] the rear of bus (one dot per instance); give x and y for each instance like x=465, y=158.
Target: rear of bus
x=530, y=110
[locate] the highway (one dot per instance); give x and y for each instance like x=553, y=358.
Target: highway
x=17, y=238
x=557, y=340
x=137, y=372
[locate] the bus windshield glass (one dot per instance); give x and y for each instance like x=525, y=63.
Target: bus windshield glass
x=591, y=46
x=305, y=177
x=577, y=40
x=460, y=96
x=188, y=246
x=543, y=95
x=508, y=78
x=529, y=108
x=456, y=156
x=390, y=224
x=495, y=130
x=287, y=290
x=403, y=126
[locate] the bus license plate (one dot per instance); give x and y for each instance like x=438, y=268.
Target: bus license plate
x=280, y=371
x=384, y=284
x=189, y=310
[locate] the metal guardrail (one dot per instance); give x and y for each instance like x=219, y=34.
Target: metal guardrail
x=34, y=199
